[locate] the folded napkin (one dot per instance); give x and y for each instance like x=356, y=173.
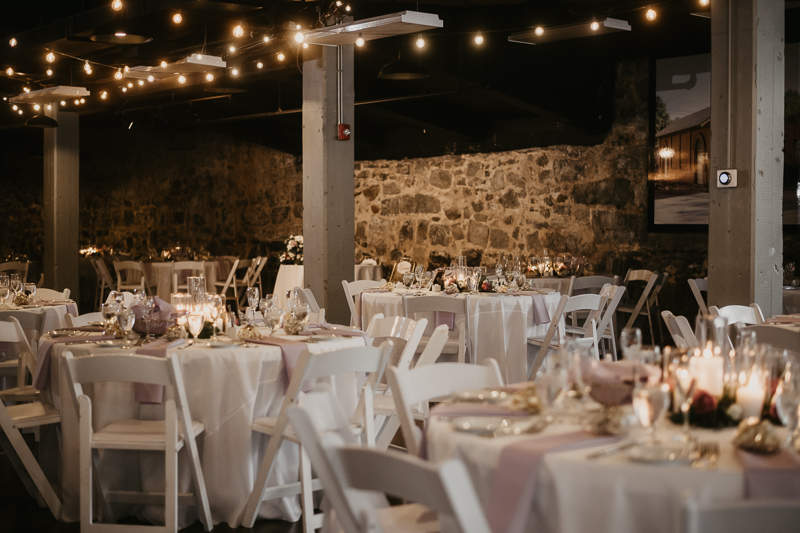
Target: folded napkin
x=770, y=476
x=149, y=392
x=514, y=481
x=290, y=351
x=161, y=310
x=93, y=329
x=783, y=319
x=612, y=382
x=41, y=378
x=358, y=304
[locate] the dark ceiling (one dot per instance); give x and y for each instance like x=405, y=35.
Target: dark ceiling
x=497, y=96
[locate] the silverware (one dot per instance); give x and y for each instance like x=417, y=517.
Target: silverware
x=707, y=454
x=535, y=427
x=611, y=450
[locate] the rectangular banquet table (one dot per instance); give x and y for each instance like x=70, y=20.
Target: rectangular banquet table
x=227, y=388
x=609, y=495
x=500, y=325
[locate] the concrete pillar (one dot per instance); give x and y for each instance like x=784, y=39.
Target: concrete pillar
x=745, y=238
x=60, y=210
x=328, y=182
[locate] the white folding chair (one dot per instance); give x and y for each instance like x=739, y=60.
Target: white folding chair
x=11, y=332
x=643, y=304
x=406, y=332
x=82, y=320
x=32, y=414
x=459, y=343
x=435, y=345
x=744, y=314
x=316, y=313
x=679, y=331
x=604, y=318
x=699, y=286
x=255, y=275
x=556, y=332
x=222, y=287
x=357, y=479
x=412, y=389
x=127, y=299
x=175, y=432
x=592, y=284
x=740, y=516
x=312, y=366
x=131, y=275
x=32, y=324
x=775, y=336
x=570, y=286
x=104, y=280
x=352, y=289
x=194, y=268
x=15, y=267
x=50, y=294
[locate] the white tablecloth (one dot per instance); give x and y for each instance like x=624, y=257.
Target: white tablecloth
x=791, y=301
x=559, y=284
x=161, y=275
x=500, y=325
x=227, y=389
x=368, y=272
x=291, y=276
x=609, y=495
x=53, y=319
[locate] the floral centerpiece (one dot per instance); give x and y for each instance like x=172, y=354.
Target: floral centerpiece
x=294, y=251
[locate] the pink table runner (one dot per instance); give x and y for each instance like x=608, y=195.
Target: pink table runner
x=41, y=378
x=290, y=351
x=514, y=484
x=539, y=309
x=358, y=304
x=148, y=392
x=770, y=476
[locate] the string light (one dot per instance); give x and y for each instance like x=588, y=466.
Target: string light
x=347, y=8
x=238, y=31
x=360, y=40
x=297, y=26
x=231, y=49
x=339, y=3
x=14, y=107
x=163, y=64
x=50, y=57
x=37, y=107
x=299, y=37
x=124, y=89
x=235, y=72
x=20, y=111
x=594, y=25
x=704, y=2
x=305, y=45
x=116, y=5
x=13, y=42
x=479, y=39
x=651, y=14
x=260, y=64
x=49, y=72
x=181, y=79
x=281, y=57
x=130, y=85
x=118, y=74
x=177, y=18
x=87, y=67
x=9, y=72
x=63, y=103
x=266, y=38
x=420, y=42
x=539, y=31
x=209, y=77
x=126, y=68
x=141, y=82
x=103, y=95
x=83, y=101
x=77, y=102
x=26, y=89
x=150, y=78
x=49, y=107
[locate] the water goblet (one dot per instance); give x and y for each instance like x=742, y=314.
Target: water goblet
x=195, y=321
x=264, y=304
x=29, y=289
x=684, y=385
x=118, y=297
x=787, y=398
x=16, y=283
x=272, y=318
x=498, y=270
x=408, y=279
x=630, y=341
x=214, y=308
x=4, y=292
x=252, y=296
x=148, y=305
x=109, y=311
x=650, y=402
x=126, y=319
x=519, y=278
x=139, y=295
x=418, y=271
x=472, y=285
x=5, y=281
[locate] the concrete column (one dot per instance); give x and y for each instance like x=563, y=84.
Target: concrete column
x=745, y=238
x=60, y=210
x=328, y=182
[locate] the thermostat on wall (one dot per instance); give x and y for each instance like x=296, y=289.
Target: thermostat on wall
x=726, y=178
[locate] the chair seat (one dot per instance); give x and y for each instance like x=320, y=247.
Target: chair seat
x=383, y=404
x=450, y=347
x=410, y=518
x=26, y=415
x=631, y=308
x=538, y=341
x=266, y=425
x=26, y=393
x=9, y=368
x=131, y=434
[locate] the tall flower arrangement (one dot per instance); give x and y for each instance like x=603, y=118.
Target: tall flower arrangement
x=294, y=251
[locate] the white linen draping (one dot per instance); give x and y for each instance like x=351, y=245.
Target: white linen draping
x=161, y=274
x=368, y=272
x=500, y=325
x=53, y=319
x=609, y=495
x=226, y=389
x=559, y=284
x=291, y=276
x=791, y=301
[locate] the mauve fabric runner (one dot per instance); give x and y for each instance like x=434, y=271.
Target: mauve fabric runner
x=358, y=304
x=91, y=329
x=514, y=484
x=148, y=392
x=72, y=307
x=770, y=476
x=41, y=378
x=290, y=351
x=539, y=309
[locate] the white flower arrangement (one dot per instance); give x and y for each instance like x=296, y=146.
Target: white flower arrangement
x=294, y=251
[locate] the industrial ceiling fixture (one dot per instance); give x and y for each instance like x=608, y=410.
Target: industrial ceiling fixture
x=570, y=31
x=402, y=69
x=120, y=31
x=41, y=121
x=401, y=23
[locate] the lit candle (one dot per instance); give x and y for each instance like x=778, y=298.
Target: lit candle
x=709, y=371
x=751, y=397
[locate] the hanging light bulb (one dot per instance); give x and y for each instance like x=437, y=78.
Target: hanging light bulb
x=87, y=67
x=49, y=107
x=49, y=72
x=181, y=79
x=116, y=5
x=650, y=14
x=126, y=68
x=36, y=107
x=235, y=72
x=177, y=18
x=103, y=95
x=50, y=57
x=118, y=74
x=20, y=111
x=163, y=64
x=14, y=107
x=339, y=3
x=305, y=45
x=83, y=101
x=77, y=102
x=347, y=8
x=266, y=38
x=209, y=77
x=232, y=49
x=124, y=89
x=260, y=65
x=150, y=78
x=130, y=85
x=594, y=25
x=479, y=39
x=704, y=2
x=539, y=31
x=299, y=37
x=63, y=103
x=360, y=40
x=238, y=31
x=26, y=89
x=420, y=42
x=12, y=42
x=141, y=82
x=281, y=57
x=9, y=72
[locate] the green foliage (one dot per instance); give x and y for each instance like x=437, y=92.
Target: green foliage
x=662, y=117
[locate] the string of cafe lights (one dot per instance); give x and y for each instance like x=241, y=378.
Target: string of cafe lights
x=336, y=11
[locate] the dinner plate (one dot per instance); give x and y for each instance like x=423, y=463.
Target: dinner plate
x=318, y=338
x=479, y=395
x=62, y=333
x=662, y=454
x=483, y=425
x=31, y=306
x=110, y=342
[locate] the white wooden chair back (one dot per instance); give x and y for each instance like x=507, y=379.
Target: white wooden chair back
x=254, y=274
x=745, y=314
x=127, y=299
x=570, y=286
x=14, y=267
x=649, y=278
x=674, y=330
x=131, y=275
x=352, y=290
x=104, y=280
x=227, y=284
x=605, y=324
x=593, y=284
x=82, y=320
x=699, y=286
x=307, y=297
x=407, y=330
x=420, y=384
x=777, y=337
x=50, y=294
x=12, y=333
x=434, y=346
x=195, y=268
x=740, y=516
x=448, y=304
x=31, y=324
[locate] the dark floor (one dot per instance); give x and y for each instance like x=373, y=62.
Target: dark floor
x=20, y=513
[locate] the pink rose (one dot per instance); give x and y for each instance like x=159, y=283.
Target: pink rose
x=703, y=402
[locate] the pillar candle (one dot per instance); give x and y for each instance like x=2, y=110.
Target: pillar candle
x=751, y=397
x=709, y=371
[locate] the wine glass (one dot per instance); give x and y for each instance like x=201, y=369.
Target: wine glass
x=118, y=297
x=16, y=283
x=408, y=279
x=649, y=404
x=109, y=311
x=195, y=321
x=788, y=398
x=419, y=270
x=214, y=305
x=138, y=296
x=498, y=270
x=126, y=319
x=29, y=290
x=4, y=292
x=272, y=318
x=425, y=282
x=148, y=305
x=4, y=281
x=685, y=385
x=630, y=341
x=519, y=278
x=264, y=304
x=252, y=296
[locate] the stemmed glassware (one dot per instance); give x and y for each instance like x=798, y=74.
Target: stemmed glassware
x=498, y=269
x=148, y=305
x=126, y=319
x=251, y=295
x=30, y=291
x=4, y=292
x=16, y=283
x=109, y=311
x=788, y=398
x=419, y=270
x=425, y=282
x=408, y=279
x=138, y=296
x=272, y=318
x=650, y=401
x=214, y=310
x=5, y=281
x=118, y=298
x=685, y=385
x=630, y=342
x=195, y=321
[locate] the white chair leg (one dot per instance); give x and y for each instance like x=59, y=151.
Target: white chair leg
x=387, y=432
x=171, y=469
x=306, y=492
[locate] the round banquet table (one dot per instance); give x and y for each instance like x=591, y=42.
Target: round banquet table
x=227, y=388
x=53, y=319
x=611, y=494
x=791, y=301
x=368, y=272
x=499, y=325
x=291, y=276
x=559, y=284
